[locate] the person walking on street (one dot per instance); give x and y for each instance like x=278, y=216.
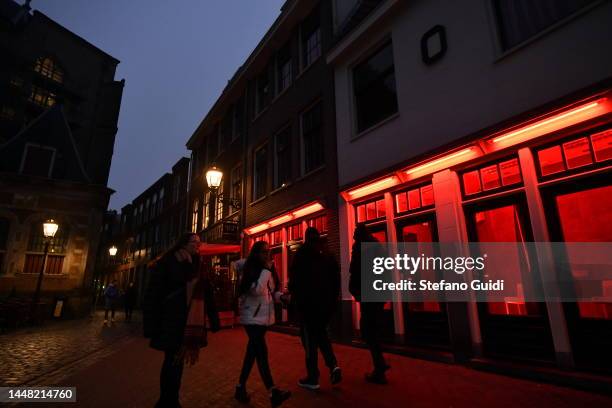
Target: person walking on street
x=314, y=285
x=371, y=312
x=257, y=293
x=129, y=301
x=111, y=296
x=177, y=301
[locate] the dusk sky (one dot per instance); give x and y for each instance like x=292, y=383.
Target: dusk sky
x=176, y=57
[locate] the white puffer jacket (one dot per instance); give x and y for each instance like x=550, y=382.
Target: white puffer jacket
x=257, y=305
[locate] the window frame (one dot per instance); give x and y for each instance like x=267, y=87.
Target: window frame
x=255, y=195
x=387, y=41
x=309, y=108
x=25, y=153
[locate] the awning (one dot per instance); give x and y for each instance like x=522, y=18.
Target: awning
x=218, y=249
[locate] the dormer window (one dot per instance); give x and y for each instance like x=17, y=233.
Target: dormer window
x=48, y=68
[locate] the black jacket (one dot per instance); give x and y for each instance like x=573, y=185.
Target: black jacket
x=314, y=283
x=165, y=303
x=355, y=268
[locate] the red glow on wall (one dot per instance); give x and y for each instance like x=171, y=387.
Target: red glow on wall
x=553, y=123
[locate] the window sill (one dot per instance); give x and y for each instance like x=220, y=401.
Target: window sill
x=281, y=188
x=374, y=127
x=260, y=199
x=261, y=113
x=307, y=67
x=283, y=92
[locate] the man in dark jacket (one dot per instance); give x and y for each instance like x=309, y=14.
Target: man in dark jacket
x=371, y=312
x=129, y=301
x=174, y=280
x=314, y=284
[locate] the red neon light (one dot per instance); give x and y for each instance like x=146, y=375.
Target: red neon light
x=312, y=208
x=559, y=121
x=373, y=187
x=443, y=162
x=291, y=215
x=258, y=228
x=280, y=220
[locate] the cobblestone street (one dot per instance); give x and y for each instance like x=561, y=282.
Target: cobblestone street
x=30, y=353
x=113, y=367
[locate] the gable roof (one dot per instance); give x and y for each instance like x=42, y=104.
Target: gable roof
x=49, y=129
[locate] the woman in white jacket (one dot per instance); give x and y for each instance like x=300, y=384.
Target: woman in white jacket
x=258, y=292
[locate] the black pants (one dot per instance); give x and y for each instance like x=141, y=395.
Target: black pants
x=128, y=312
x=106, y=309
x=314, y=337
x=170, y=381
x=371, y=315
x=256, y=350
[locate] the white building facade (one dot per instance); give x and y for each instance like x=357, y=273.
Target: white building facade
x=479, y=120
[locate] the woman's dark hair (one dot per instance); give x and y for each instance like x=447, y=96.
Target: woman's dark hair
x=252, y=267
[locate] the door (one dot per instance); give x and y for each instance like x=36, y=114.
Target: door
x=582, y=212
x=512, y=328
x=426, y=322
x=276, y=256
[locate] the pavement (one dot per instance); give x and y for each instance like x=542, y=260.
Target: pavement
x=123, y=372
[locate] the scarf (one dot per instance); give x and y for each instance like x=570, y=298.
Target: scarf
x=195, y=330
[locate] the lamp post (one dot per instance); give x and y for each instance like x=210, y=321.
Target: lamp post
x=50, y=228
x=214, y=176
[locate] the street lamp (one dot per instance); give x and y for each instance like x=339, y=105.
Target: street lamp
x=213, y=179
x=50, y=228
x=112, y=251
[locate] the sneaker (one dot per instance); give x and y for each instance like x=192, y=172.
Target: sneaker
x=241, y=395
x=309, y=383
x=278, y=396
x=376, y=377
x=335, y=375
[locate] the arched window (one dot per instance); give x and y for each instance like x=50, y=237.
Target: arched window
x=47, y=67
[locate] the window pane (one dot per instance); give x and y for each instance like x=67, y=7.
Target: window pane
x=260, y=184
x=471, y=182
x=510, y=172
x=520, y=20
x=577, y=153
x=401, y=202
x=490, y=177
x=37, y=161
x=504, y=225
x=374, y=85
x=551, y=160
x=586, y=216
x=602, y=145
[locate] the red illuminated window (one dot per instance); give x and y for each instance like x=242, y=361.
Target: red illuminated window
x=602, y=145
x=371, y=211
x=585, y=216
x=471, y=182
x=414, y=199
x=576, y=153
x=551, y=160
x=295, y=232
x=503, y=224
x=320, y=223
x=510, y=172
x=491, y=177
x=276, y=237
x=260, y=237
